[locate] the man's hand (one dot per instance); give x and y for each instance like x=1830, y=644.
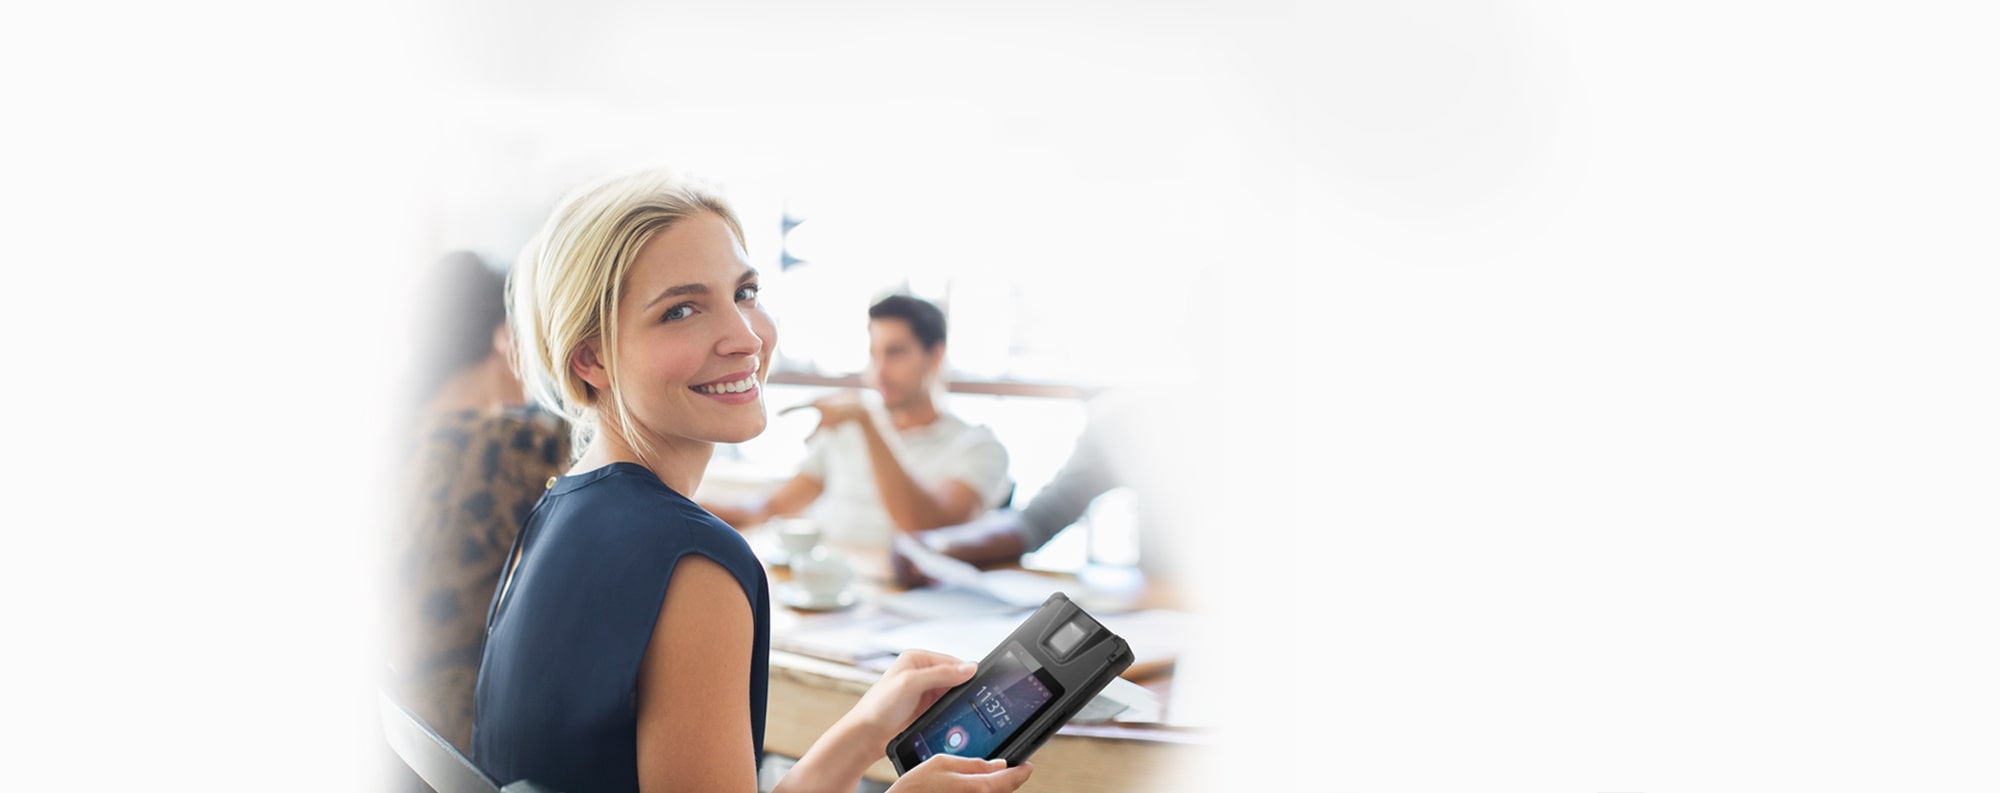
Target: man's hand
x=905, y=572
x=836, y=409
x=992, y=538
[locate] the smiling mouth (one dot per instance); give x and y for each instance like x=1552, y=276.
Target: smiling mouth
x=735, y=387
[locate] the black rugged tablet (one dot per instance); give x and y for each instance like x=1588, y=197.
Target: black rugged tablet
x=1046, y=671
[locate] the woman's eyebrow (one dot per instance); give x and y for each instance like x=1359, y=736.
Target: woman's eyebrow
x=677, y=291
x=749, y=274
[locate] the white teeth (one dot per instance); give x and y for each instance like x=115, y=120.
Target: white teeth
x=737, y=387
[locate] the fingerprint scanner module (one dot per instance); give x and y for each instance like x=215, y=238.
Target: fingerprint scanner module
x=1066, y=639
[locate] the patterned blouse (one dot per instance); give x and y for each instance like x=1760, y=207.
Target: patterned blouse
x=469, y=484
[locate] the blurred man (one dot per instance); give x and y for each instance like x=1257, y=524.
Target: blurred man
x=903, y=465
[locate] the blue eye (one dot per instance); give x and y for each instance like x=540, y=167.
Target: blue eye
x=748, y=292
x=682, y=311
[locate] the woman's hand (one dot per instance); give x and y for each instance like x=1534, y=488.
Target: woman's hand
x=912, y=684
x=948, y=772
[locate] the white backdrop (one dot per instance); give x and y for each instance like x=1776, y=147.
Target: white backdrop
x=1614, y=385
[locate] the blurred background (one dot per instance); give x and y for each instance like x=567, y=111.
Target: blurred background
x=1072, y=184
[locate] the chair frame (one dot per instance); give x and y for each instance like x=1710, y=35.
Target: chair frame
x=440, y=764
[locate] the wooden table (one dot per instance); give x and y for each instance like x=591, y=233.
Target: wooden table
x=808, y=695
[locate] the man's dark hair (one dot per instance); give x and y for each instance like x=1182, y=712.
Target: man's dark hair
x=925, y=320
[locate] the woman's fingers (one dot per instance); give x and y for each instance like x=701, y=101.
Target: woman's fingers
x=954, y=773
x=1011, y=778
x=964, y=765
x=996, y=777
x=940, y=676
x=912, y=658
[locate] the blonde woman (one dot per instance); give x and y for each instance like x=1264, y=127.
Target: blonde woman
x=627, y=648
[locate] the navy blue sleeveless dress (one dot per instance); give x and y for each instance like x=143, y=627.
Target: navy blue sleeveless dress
x=556, y=697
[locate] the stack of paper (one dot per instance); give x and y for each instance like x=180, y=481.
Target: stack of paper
x=944, y=602
x=839, y=637
x=963, y=590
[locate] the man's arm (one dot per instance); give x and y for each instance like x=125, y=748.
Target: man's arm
x=910, y=505
x=1086, y=475
x=1003, y=536
x=790, y=498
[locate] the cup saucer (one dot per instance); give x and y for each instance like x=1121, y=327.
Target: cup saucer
x=797, y=597
x=773, y=555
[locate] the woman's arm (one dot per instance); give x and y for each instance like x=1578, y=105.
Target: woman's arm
x=835, y=762
x=694, y=705
x=694, y=686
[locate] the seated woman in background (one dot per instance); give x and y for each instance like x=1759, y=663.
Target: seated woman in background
x=628, y=646
x=478, y=461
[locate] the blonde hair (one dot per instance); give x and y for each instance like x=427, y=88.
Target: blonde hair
x=564, y=291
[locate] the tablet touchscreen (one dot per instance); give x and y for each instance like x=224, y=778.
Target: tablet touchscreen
x=1003, y=696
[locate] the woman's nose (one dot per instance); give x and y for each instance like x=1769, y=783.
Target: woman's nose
x=742, y=337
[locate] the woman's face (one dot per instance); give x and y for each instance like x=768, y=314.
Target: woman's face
x=693, y=343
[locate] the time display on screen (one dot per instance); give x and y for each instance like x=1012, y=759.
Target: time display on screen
x=1005, y=695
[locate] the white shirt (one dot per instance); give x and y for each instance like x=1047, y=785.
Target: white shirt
x=947, y=450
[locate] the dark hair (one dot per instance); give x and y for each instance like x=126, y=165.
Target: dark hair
x=464, y=301
x=925, y=320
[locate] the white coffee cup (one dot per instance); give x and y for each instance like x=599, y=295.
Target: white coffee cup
x=798, y=535
x=822, y=574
